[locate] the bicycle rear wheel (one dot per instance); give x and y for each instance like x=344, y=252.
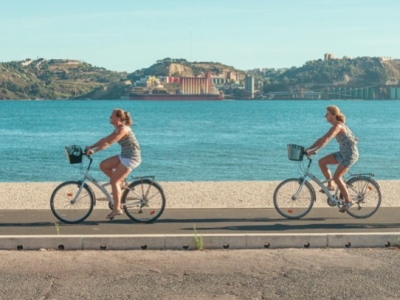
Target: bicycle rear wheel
x=366, y=197
x=61, y=202
x=293, y=201
x=143, y=201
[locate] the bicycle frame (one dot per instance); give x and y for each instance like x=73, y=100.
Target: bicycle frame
x=294, y=197
x=332, y=196
x=90, y=178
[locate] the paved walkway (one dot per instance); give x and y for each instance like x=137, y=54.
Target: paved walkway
x=230, y=226
x=183, y=221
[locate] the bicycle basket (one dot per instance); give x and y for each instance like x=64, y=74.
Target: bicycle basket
x=74, y=154
x=295, y=152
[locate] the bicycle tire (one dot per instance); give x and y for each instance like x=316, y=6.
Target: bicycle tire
x=143, y=201
x=64, y=210
x=366, y=196
x=289, y=207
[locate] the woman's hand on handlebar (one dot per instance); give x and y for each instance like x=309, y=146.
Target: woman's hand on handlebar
x=310, y=152
x=88, y=152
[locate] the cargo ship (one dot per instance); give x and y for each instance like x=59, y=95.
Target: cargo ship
x=219, y=96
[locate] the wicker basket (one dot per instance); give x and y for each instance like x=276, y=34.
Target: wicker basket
x=295, y=152
x=74, y=154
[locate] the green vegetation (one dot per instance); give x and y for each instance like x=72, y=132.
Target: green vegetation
x=352, y=72
x=71, y=79
x=319, y=75
x=52, y=79
x=198, y=240
x=57, y=228
x=181, y=68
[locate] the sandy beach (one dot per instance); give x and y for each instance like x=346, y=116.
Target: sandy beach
x=226, y=194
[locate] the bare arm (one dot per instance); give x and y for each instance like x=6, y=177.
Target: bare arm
x=107, y=141
x=321, y=142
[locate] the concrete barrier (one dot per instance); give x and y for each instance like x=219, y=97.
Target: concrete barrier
x=201, y=241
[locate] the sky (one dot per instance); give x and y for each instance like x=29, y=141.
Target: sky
x=127, y=35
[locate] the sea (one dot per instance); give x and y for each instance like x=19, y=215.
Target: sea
x=230, y=140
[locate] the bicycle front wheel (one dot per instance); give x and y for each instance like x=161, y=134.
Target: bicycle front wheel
x=71, y=205
x=292, y=200
x=143, y=201
x=366, y=197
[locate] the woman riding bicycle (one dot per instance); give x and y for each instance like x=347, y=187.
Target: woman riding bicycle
x=118, y=167
x=344, y=158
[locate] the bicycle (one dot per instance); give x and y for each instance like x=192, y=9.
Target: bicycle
x=142, y=200
x=295, y=197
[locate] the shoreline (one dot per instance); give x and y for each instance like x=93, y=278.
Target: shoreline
x=207, y=194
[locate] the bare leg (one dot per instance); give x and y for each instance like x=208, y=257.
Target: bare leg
x=108, y=165
x=117, y=172
x=323, y=165
x=338, y=178
x=116, y=179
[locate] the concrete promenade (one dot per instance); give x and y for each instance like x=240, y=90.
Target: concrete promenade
x=187, y=229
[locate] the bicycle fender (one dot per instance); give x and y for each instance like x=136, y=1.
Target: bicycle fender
x=365, y=178
x=93, y=194
x=145, y=180
x=306, y=182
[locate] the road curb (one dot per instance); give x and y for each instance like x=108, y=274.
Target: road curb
x=204, y=241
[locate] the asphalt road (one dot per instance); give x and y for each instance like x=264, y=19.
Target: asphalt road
x=345, y=273
x=218, y=274
x=183, y=221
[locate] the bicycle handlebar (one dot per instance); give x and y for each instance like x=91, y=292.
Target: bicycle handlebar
x=88, y=157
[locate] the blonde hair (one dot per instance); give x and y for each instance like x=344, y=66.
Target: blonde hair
x=124, y=116
x=334, y=110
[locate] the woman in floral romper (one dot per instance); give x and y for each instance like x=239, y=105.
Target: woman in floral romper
x=344, y=158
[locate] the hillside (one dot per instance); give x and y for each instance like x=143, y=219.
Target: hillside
x=317, y=74
x=165, y=67
x=184, y=68
x=72, y=79
x=52, y=79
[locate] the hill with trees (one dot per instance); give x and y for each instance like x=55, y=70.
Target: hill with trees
x=52, y=79
x=320, y=75
x=183, y=68
x=72, y=79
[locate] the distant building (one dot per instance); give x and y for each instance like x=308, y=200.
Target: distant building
x=172, y=79
x=27, y=62
x=225, y=77
x=219, y=79
x=193, y=85
x=148, y=81
x=232, y=76
x=168, y=79
x=394, y=92
x=328, y=56
x=66, y=61
x=249, y=87
x=295, y=95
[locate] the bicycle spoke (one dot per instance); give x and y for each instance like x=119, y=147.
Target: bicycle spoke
x=366, y=197
x=144, y=201
x=292, y=200
x=66, y=211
